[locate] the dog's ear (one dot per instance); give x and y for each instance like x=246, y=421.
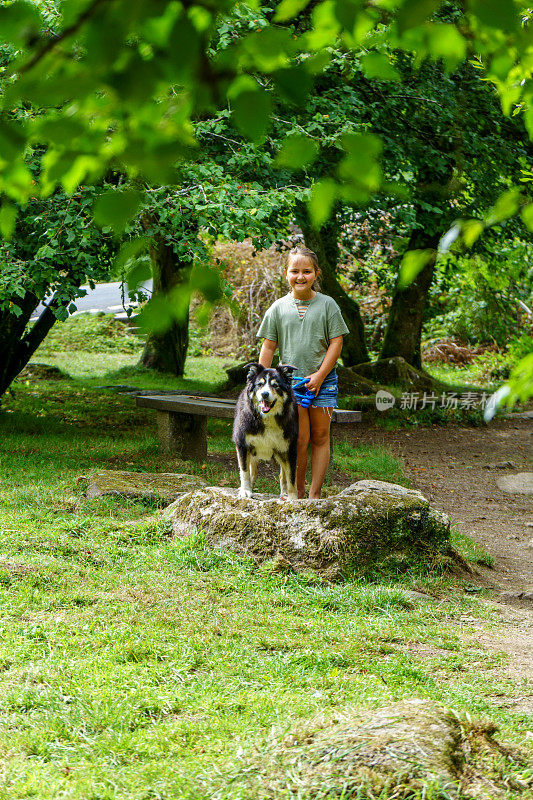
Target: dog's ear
x=253, y=370
x=286, y=370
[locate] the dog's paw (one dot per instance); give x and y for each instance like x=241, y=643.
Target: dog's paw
x=244, y=493
x=292, y=496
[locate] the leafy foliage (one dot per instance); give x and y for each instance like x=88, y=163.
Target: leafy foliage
x=133, y=90
x=53, y=250
x=477, y=298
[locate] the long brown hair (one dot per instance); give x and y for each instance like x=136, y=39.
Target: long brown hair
x=301, y=250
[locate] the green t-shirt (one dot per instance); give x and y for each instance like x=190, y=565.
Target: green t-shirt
x=303, y=342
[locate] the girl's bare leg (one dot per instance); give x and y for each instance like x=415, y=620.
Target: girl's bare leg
x=303, y=444
x=320, y=422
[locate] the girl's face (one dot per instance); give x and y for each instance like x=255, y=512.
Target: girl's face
x=301, y=274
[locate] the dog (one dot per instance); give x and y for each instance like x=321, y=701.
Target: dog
x=266, y=426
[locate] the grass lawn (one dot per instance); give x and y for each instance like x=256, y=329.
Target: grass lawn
x=136, y=666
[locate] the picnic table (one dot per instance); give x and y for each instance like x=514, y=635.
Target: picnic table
x=182, y=421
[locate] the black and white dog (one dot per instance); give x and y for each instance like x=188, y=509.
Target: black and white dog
x=266, y=426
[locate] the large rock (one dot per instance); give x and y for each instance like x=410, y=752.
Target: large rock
x=370, y=526
x=156, y=487
x=404, y=749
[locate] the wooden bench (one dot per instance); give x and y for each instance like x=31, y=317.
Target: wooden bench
x=182, y=421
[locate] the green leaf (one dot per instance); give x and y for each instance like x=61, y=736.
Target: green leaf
x=206, y=280
x=288, y=9
x=137, y=81
x=501, y=65
x=326, y=26
x=139, y=273
x=445, y=41
x=318, y=62
x=360, y=170
x=268, y=49
x=129, y=251
x=521, y=380
x=471, y=230
x=496, y=13
x=323, y=195
x=8, y=218
x=67, y=168
x=116, y=207
x=157, y=29
x=294, y=84
x=528, y=121
x=413, y=262
x=414, y=12
x=347, y=11
x=362, y=145
x=157, y=315
x=184, y=44
x=251, y=113
x=377, y=65
x=527, y=216
x=12, y=141
x=59, y=131
x=20, y=23
x=180, y=299
x=506, y=206
x=296, y=152
x=18, y=181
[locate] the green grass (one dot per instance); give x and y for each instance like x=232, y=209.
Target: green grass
x=97, y=333
x=470, y=550
x=368, y=461
x=134, y=665
x=107, y=369
x=464, y=377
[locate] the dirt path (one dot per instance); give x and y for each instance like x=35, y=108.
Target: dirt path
x=457, y=469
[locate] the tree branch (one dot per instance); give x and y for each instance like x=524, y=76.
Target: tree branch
x=53, y=41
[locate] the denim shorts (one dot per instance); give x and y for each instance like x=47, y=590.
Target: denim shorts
x=328, y=393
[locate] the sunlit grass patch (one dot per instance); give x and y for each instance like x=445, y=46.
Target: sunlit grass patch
x=466, y=376
x=470, y=550
x=366, y=461
x=137, y=665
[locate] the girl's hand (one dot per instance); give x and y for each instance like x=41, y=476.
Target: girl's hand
x=314, y=382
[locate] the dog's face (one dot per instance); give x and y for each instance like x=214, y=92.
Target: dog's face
x=268, y=388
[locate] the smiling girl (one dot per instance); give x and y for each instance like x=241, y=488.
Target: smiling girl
x=307, y=327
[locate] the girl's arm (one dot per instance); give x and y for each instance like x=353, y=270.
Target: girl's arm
x=268, y=348
x=315, y=381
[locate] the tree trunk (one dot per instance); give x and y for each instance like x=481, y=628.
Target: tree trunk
x=16, y=346
x=404, y=326
x=167, y=351
x=325, y=244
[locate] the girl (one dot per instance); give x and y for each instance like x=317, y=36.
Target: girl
x=308, y=327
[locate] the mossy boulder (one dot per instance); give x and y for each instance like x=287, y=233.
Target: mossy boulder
x=160, y=488
x=412, y=748
x=369, y=526
x=43, y=372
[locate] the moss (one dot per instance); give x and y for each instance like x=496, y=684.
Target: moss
x=340, y=535
x=160, y=488
x=410, y=749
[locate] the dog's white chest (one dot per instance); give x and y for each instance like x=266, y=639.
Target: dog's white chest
x=266, y=443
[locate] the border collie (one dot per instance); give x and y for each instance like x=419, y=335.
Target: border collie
x=266, y=426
